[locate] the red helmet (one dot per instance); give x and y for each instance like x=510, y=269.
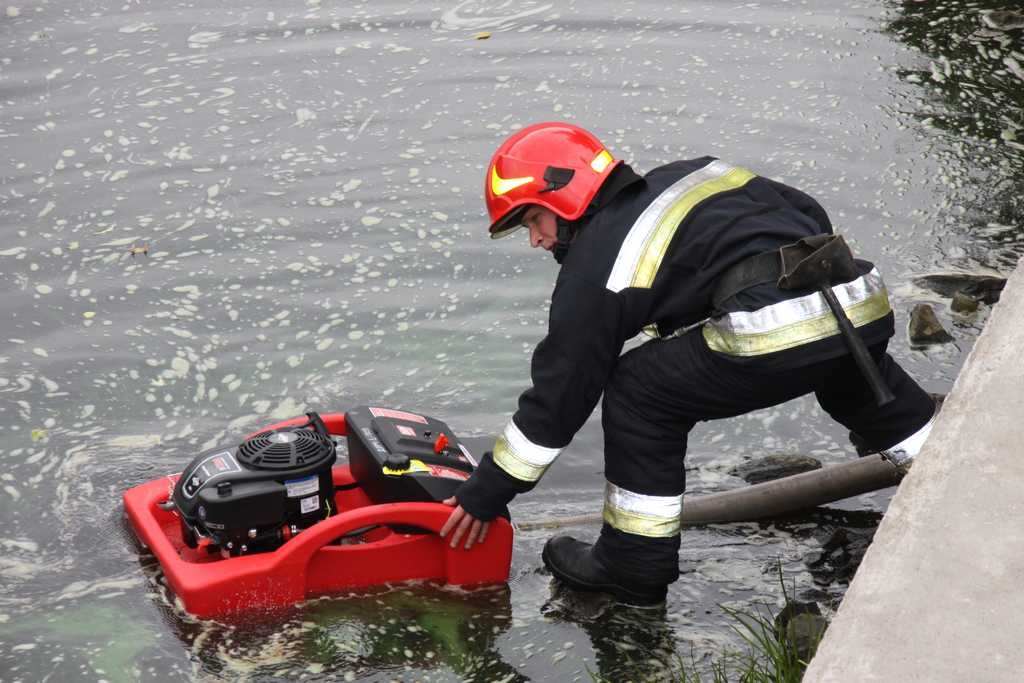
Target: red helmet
x=556, y=165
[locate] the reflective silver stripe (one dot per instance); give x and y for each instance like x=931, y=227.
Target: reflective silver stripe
x=520, y=457
x=793, y=322
x=645, y=245
x=906, y=450
x=637, y=513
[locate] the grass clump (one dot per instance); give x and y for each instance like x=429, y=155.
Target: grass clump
x=778, y=647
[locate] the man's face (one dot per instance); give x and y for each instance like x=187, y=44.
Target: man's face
x=542, y=226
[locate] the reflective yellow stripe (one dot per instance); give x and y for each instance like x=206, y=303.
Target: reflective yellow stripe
x=644, y=248
x=640, y=514
x=657, y=245
x=797, y=321
x=520, y=457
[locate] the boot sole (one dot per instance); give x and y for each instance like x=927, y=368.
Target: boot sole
x=621, y=594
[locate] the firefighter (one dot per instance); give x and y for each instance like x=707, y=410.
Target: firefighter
x=751, y=299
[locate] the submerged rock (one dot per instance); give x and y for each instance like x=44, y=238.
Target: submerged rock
x=925, y=328
x=774, y=467
x=841, y=553
x=800, y=626
x=964, y=303
x=985, y=287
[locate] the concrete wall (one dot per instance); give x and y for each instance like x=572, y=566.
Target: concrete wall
x=940, y=593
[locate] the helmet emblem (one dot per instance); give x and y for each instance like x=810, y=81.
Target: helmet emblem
x=500, y=186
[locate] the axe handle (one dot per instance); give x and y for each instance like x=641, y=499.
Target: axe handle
x=858, y=350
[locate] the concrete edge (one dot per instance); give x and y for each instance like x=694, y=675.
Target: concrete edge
x=937, y=596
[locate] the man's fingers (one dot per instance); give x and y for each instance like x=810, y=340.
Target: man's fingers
x=477, y=534
x=474, y=531
x=453, y=519
x=464, y=524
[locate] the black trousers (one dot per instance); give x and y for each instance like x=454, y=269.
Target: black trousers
x=661, y=389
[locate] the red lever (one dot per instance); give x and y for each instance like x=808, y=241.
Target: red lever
x=441, y=444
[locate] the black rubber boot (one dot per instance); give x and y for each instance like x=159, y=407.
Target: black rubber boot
x=573, y=563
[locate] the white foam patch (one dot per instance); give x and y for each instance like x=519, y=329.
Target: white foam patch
x=80, y=589
x=141, y=27
x=180, y=366
x=205, y=37
x=134, y=441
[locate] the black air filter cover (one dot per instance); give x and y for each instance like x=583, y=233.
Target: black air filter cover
x=286, y=450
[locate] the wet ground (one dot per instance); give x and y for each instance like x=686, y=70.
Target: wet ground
x=214, y=217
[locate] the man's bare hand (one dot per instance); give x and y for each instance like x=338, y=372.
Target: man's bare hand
x=460, y=522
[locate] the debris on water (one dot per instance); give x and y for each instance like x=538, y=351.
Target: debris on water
x=964, y=302
x=774, y=466
x=925, y=328
x=481, y=35
x=38, y=435
x=1003, y=20
x=137, y=249
x=986, y=287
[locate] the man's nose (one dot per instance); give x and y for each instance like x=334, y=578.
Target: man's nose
x=534, y=239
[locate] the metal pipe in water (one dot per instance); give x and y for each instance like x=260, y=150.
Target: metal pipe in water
x=772, y=498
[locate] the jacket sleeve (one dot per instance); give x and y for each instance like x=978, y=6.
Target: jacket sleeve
x=569, y=370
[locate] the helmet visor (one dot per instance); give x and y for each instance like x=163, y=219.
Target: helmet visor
x=509, y=223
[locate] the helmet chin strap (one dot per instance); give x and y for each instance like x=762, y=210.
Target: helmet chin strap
x=566, y=230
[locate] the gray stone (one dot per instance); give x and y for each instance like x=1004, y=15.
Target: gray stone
x=800, y=626
x=774, y=467
x=964, y=302
x=986, y=287
x=925, y=328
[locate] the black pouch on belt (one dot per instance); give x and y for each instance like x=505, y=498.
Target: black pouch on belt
x=815, y=262
x=818, y=262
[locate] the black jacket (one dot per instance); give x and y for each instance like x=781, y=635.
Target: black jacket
x=589, y=322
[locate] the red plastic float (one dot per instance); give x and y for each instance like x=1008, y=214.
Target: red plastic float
x=313, y=563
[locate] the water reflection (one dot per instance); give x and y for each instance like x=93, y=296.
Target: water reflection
x=418, y=633
x=974, y=102
x=630, y=644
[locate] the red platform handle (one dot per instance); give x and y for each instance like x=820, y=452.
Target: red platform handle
x=428, y=516
x=335, y=423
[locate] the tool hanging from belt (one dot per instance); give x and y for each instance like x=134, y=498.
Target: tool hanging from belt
x=817, y=263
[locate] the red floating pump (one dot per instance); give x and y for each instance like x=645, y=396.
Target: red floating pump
x=275, y=520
